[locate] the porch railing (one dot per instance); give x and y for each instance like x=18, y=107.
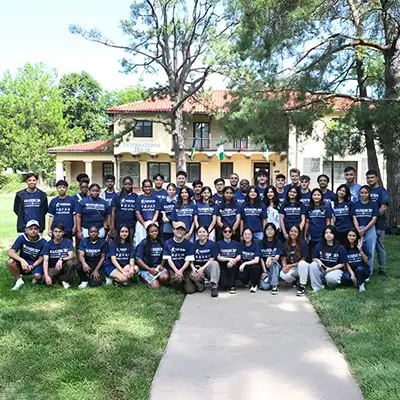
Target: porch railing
x=229, y=145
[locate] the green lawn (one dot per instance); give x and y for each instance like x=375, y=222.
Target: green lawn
x=89, y=344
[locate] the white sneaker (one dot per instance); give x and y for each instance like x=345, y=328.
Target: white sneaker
x=35, y=281
x=18, y=283
x=65, y=285
x=253, y=289
x=83, y=285
x=362, y=288
x=109, y=281
x=368, y=279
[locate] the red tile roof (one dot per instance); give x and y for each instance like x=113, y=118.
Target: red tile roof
x=102, y=146
x=212, y=100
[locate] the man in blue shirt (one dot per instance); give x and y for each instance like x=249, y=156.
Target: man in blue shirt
x=30, y=204
x=305, y=190
x=234, y=182
x=240, y=195
x=379, y=195
x=109, y=194
x=280, y=180
x=350, y=177
x=181, y=181
x=323, y=181
x=262, y=182
x=294, y=174
x=219, y=185
x=26, y=255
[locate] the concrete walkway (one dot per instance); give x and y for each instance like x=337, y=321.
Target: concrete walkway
x=252, y=346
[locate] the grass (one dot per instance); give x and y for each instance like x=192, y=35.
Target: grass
x=89, y=344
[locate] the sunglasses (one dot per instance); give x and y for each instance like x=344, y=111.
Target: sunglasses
x=227, y=231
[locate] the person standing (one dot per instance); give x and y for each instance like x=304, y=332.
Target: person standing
x=350, y=177
x=197, y=186
x=219, y=185
x=109, y=194
x=206, y=213
x=305, y=190
x=83, y=183
x=234, y=182
x=380, y=196
x=30, y=204
x=181, y=181
x=159, y=191
x=323, y=181
x=280, y=187
x=294, y=174
x=262, y=182
x=271, y=201
x=228, y=213
x=167, y=206
x=341, y=210
x=240, y=195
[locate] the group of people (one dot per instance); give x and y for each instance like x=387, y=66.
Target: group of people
x=189, y=237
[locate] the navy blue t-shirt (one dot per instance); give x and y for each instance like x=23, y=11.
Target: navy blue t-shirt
x=328, y=197
x=343, y=218
x=205, y=213
x=93, y=212
x=262, y=191
x=79, y=196
x=248, y=253
x=179, y=253
x=239, y=197
x=227, y=213
x=203, y=252
x=161, y=194
x=217, y=198
x=354, y=258
x=56, y=251
x=271, y=249
x=109, y=197
x=123, y=252
x=252, y=216
x=156, y=253
x=317, y=217
x=147, y=206
x=365, y=212
x=380, y=196
x=62, y=211
x=332, y=256
x=292, y=213
x=29, y=251
x=354, y=192
x=282, y=197
x=125, y=207
x=32, y=203
x=305, y=198
x=93, y=250
x=184, y=214
x=290, y=254
x=228, y=249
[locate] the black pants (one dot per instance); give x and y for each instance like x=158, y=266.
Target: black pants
x=64, y=274
x=87, y=276
x=251, y=273
x=228, y=276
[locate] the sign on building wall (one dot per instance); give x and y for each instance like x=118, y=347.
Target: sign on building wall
x=138, y=147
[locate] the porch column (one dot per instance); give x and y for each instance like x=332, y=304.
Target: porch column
x=67, y=171
x=59, y=170
x=116, y=171
x=89, y=169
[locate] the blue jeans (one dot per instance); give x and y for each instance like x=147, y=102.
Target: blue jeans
x=273, y=276
x=369, y=244
x=361, y=274
x=380, y=249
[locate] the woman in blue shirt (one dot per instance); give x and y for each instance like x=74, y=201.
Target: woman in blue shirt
x=185, y=211
x=357, y=261
x=272, y=202
x=92, y=211
x=120, y=263
x=149, y=258
x=271, y=252
x=147, y=209
x=365, y=214
x=228, y=213
x=250, y=267
x=253, y=214
x=206, y=212
x=342, y=219
x=329, y=260
x=167, y=205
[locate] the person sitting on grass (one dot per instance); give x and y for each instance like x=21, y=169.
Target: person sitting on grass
x=179, y=253
x=294, y=265
x=328, y=262
x=205, y=266
x=91, y=256
x=26, y=255
x=120, y=262
x=149, y=258
x=271, y=252
x=58, y=253
x=357, y=261
x=250, y=267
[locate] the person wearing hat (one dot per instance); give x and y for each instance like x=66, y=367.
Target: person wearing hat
x=179, y=254
x=30, y=204
x=62, y=210
x=26, y=255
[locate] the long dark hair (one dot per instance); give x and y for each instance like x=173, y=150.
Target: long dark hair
x=366, y=187
x=275, y=200
x=257, y=200
x=324, y=242
x=288, y=244
x=127, y=178
x=128, y=239
x=147, y=243
x=298, y=195
x=358, y=237
x=312, y=202
x=265, y=241
x=346, y=198
x=233, y=201
x=180, y=200
x=210, y=200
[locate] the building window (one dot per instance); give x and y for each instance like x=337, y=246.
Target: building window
x=144, y=129
x=193, y=171
x=338, y=170
x=226, y=170
x=108, y=169
x=132, y=169
x=201, y=132
x=159, y=168
x=311, y=167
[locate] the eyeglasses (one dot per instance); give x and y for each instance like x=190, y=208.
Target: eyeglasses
x=227, y=231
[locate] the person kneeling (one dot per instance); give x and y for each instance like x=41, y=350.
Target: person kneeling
x=149, y=255
x=120, y=263
x=329, y=259
x=91, y=256
x=205, y=266
x=179, y=253
x=58, y=254
x=25, y=255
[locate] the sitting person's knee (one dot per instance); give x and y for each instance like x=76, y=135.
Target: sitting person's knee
x=37, y=276
x=155, y=285
x=11, y=262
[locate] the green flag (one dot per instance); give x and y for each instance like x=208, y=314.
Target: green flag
x=220, y=151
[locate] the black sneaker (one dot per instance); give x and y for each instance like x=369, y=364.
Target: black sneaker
x=275, y=290
x=382, y=274
x=295, y=284
x=232, y=290
x=214, y=291
x=301, y=291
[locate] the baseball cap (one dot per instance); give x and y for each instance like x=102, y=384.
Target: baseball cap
x=32, y=222
x=179, y=224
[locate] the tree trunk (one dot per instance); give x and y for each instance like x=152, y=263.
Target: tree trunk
x=371, y=150
x=178, y=134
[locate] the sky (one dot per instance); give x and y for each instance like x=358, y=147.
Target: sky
x=37, y=31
